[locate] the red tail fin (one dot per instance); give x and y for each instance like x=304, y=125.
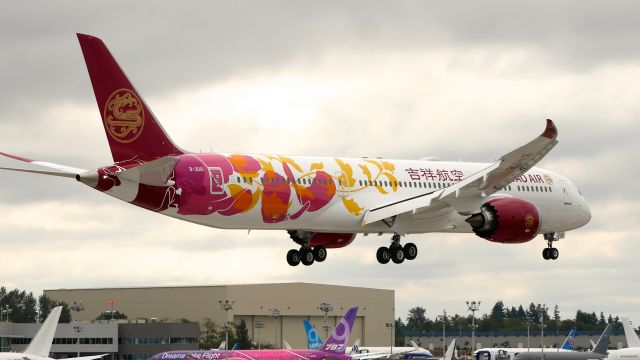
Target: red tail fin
x=132, y=129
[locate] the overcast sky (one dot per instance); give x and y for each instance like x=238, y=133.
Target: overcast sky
x=398, y=79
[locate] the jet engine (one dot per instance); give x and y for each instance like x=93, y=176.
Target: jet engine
x=506, y=220
x=331, y=240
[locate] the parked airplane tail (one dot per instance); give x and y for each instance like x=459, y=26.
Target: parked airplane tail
x=313, y=339
x=337, y=341
x=132, y=130
x=450, y=350
x=41, y=343
x=630, y=334
x=570, y=342
x=603, y=342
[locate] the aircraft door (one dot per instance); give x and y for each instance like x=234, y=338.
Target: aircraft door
x=216, y=181
x=564, y=184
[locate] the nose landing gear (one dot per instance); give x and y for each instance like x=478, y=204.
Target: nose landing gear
x=551, y=253
x=396, y=252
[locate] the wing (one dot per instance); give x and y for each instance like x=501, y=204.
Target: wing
x=53, y=169
x=478, y=185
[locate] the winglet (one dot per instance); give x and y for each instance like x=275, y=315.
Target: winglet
x=550, y=132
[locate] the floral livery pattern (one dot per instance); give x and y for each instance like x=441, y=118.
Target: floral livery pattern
x=206, y=187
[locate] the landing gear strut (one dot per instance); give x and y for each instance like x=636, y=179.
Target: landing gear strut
x=307, y=254
x=551, y=253
x=396, y=252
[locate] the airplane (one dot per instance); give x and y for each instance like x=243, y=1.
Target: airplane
x=322, y=202
x=599, y=351
x=632, y=351
x=395, y=352
x=332, y=349
x=40, y=345
x=509, y=353
x=366, y=352
x=451, y=350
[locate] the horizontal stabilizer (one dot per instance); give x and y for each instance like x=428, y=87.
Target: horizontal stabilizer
x=56, y=169
x=155, y=173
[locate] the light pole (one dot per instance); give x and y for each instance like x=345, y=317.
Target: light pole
x=528, y=325
x=443, y=317
x=275, y=313
x=543, y=310
x=258, y=324
x=473, y=307
x=226, y=305
x=7, y=311
x=77, y=307
x=325, y=308
x=77, y=329
x=390, y=326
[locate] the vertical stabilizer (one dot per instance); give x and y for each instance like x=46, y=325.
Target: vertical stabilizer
x=603, y=343
x=337, y=341
x=570, y=342
x=132, y=130
x=313, y=339
x=41, y=343
x=452, y=347
x=630, y=334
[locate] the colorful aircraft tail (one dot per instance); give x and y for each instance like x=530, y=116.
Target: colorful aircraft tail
x=41, y=343
x=570, y=342
x=313, y=339
x=337, y=341
x=132, y=130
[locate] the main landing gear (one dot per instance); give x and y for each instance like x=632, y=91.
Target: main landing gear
x=396, y=252
x=551, y=253
x=307, y=254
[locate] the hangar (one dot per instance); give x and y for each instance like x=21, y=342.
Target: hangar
x=272, y=312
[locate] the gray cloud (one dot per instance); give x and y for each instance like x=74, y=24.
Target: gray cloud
x=452, y=80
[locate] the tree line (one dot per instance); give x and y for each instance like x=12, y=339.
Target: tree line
x=503, y=318
x=23, y=307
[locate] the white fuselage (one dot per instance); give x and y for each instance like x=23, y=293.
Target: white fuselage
x=363, y=183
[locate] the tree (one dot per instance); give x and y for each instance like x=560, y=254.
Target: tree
x=208, y=334
x=417, y=321
x=399, y=332
x=556, y=318
x=242, y=335
x=46, y=304
x=112, y=315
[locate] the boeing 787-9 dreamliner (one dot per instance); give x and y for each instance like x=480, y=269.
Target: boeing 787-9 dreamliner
x=321, y=202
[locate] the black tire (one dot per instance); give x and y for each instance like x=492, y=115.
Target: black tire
x=554, y=253
x=293, y=257
x=410, y=251
x=319, y=253
x=545, y=253
x=383, y=255
x=397, y=254
x=306, y=257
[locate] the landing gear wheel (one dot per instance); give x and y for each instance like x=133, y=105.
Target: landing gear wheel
x=545, y=253
x=553, y=253
x=383, y=255
x=410, y=251
x=306, y=256
x=293, y=257
x=319, y=253
x=397, y=254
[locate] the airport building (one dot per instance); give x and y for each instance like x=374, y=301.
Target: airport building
x=120, y=340
x=272, y=312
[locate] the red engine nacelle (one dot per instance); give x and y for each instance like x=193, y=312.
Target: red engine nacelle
x=332, y=240
x=507, y=220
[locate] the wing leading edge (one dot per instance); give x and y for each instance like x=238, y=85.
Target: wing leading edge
x=479, y=185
